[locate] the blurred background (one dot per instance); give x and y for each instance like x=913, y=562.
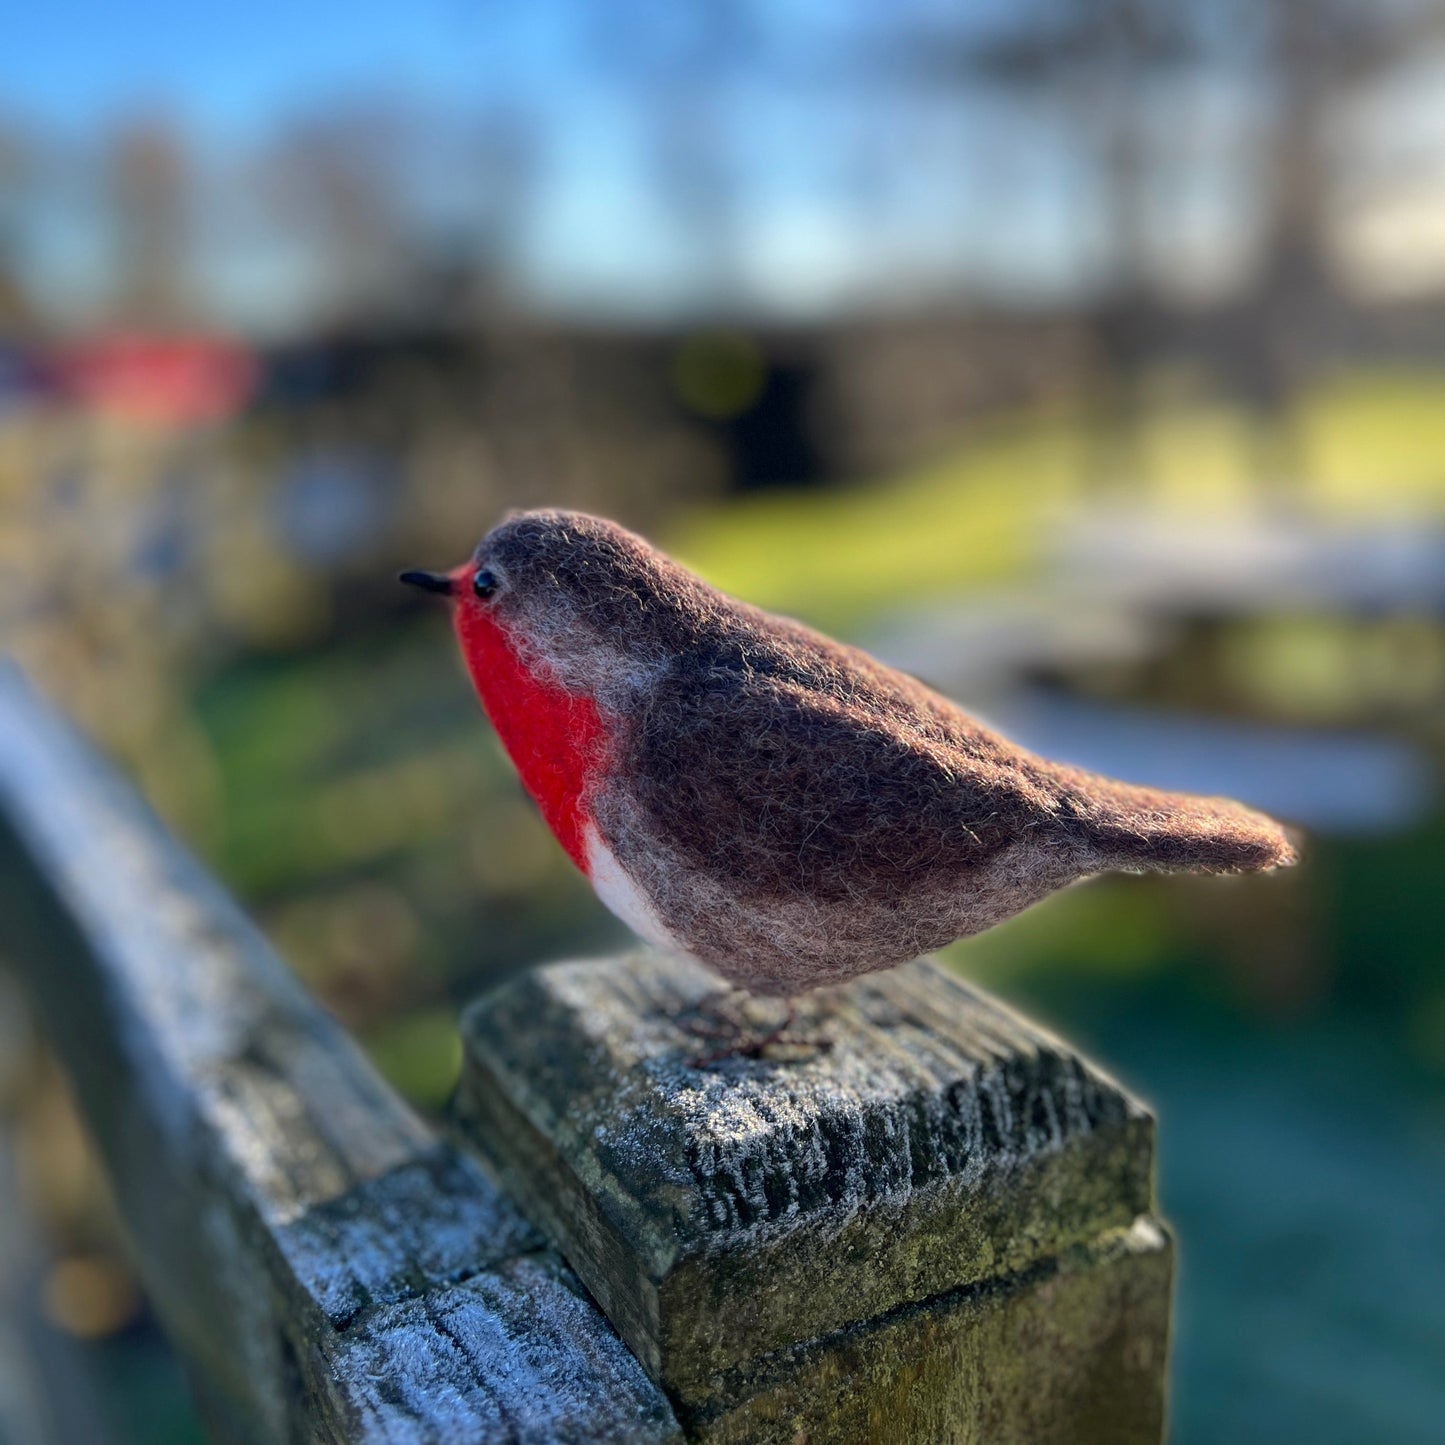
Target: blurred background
x=1085, y=357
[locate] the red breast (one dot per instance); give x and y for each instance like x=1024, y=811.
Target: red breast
x=557, y=739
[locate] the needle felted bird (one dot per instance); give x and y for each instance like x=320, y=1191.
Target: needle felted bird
x=780, y=806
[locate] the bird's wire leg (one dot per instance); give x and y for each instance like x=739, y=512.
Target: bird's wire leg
x=712, y=1019
x=738, y=1044
x=821, y=1043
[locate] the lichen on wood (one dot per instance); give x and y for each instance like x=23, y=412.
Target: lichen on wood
x=723, y=1214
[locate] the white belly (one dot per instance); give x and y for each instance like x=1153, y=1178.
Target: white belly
x=621, y=896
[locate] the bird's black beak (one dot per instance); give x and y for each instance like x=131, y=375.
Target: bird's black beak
x=437, y=582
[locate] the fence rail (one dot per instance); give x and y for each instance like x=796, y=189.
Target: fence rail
x=326, y=1266
x=940, y=1229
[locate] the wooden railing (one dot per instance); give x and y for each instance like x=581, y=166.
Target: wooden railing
x=938, y=1229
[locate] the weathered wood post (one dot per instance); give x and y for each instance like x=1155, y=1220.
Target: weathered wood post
x=939, y=1230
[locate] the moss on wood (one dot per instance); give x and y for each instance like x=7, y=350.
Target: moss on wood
x=943, y=1153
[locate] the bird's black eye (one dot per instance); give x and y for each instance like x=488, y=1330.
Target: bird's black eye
x=484, y=583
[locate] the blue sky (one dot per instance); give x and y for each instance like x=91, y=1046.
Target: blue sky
x=845, y=187
x=230, y=69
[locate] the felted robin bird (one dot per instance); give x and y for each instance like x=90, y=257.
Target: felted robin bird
x=782, y=807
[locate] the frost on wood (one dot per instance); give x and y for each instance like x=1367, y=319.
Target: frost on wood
x=513, y=1354
x=723, y=1214
x=327, y=1268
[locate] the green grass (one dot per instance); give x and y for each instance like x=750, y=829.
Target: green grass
x=1376, y=443
x=839, y=557
x=1371, y=445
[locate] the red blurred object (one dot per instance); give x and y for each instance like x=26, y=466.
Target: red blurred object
x=175, y=380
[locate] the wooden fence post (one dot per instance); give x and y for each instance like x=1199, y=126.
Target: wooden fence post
x=940, y=1230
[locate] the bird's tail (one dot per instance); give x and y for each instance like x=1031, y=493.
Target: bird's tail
x=1141, y=829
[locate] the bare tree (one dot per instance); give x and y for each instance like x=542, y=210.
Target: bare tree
x=150, y=200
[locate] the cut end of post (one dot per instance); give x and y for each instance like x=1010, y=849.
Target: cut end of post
x=945, y=1182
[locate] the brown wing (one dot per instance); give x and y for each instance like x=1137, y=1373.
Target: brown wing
x=1103, y=822
x=787, y=790
x=872, y=782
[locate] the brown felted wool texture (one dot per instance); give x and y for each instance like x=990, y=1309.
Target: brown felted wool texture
x=795, y=811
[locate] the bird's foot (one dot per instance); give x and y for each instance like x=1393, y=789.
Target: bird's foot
x=720, y=1018
x=717, y=1015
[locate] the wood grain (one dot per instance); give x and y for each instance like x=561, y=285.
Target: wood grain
x=328, y=1268
x=747, y=1225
